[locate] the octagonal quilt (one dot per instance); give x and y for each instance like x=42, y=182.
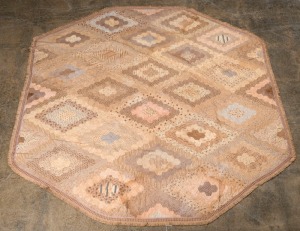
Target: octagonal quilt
x=150, y=116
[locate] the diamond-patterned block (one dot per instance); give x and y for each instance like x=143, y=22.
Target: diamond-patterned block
x=149, y=112
x=107, y=91
x=151, y=72
x=111, y=22
x=65, y=115
x=191, y=92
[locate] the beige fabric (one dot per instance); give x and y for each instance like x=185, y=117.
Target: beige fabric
x=150, y=116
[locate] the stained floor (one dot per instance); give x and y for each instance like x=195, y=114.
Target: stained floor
x=24, y=206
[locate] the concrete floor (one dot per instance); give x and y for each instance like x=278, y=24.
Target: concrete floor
x=24, y=206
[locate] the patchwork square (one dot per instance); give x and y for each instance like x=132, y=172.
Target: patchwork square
x=149, y=112
x=65, y=115
x=191, y=92
x=221, y=39
x=188, y=54
x=237, y=113
x=60, y=163
x=148, y=38
x=151, y=72
x=72, y=39
x=107, y=91
x=111, y=22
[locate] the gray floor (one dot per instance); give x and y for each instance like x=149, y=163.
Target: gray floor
x=24, y=206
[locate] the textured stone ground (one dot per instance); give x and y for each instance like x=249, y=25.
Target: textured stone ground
x=24, y=206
